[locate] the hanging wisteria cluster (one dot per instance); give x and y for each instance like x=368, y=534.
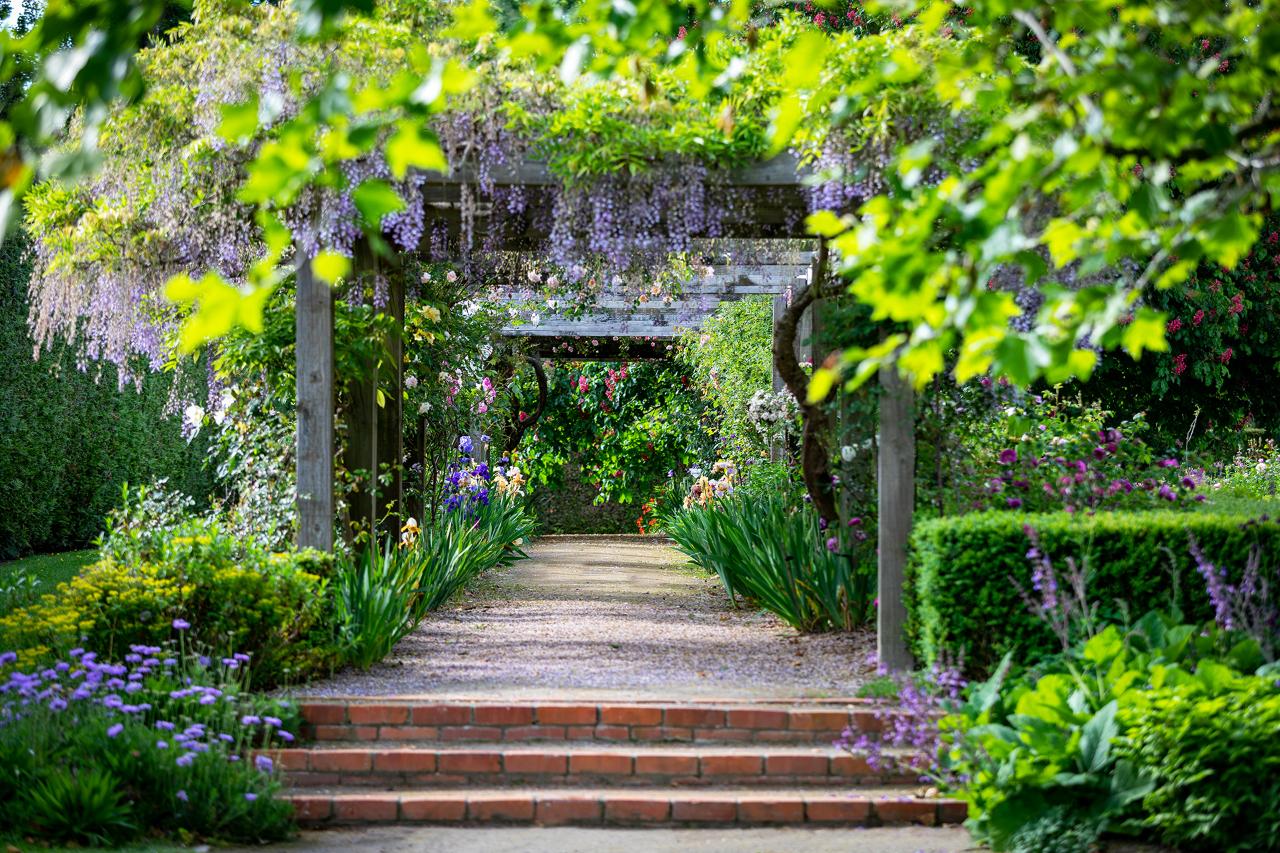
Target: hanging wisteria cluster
x=167, y=198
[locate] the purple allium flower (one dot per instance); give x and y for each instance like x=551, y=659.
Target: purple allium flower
x=115, y=729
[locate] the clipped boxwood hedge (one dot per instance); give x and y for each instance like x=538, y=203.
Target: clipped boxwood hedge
x=961, y=592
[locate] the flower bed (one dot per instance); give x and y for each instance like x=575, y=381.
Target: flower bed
x=161, y=744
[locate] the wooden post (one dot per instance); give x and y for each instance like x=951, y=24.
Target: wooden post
x=895, y=475
x=314, y=372
x=390, y=415
x=361, y=451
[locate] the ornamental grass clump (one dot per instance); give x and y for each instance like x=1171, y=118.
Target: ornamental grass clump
x=779, y=557
x=162, y=744
x=382, y=594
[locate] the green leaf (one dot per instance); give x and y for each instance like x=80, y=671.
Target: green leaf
x=824, y=223
x=413, y=147
x=1144, y=332
x=375, y=199
x=239, y=121
x=821, y=383
x=1096, y=737
x=330, y=266
x=471, y=21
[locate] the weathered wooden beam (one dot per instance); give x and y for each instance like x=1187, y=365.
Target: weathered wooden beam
x=314, y=373
x=896, y=482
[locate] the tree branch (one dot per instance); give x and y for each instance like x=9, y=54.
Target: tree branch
x=814, y=461
x=519, y=427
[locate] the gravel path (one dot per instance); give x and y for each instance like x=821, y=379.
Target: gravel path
x=608, y=616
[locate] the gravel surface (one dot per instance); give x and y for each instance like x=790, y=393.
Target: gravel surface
x=622, y=617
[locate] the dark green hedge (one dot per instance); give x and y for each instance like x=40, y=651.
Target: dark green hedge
x=961, y=592
x=68, y=442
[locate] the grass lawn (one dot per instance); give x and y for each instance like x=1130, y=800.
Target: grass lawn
x=48, y=570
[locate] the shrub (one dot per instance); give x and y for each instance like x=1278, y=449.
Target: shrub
x=272, y=606
x=1212, y=750
x=963, y=587
x=70, y=437
x=103, y=753
x=778, y=557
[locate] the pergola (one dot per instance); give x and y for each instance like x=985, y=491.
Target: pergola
x=773, y=208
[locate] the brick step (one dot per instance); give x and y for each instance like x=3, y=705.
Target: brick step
x=624, y=807
x=655, y=722
x=496, y=765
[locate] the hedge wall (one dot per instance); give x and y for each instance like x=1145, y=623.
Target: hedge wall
x=67, y=442
x=961, y=595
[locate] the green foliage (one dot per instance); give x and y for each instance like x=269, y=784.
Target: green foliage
x=382, y=595
x=731, y=360
x=627, y=425
x=80, y=766
x=1100, y=739
x=69, y=439
x=1215, y=763
x=1214, y=379
x=85, y=807
x=273, y=606
x=774, y=555
x=963, y=588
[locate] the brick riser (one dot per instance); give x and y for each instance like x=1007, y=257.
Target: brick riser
x=594, y=764
x=462, y=722
x=494, y=767
x=622, y=808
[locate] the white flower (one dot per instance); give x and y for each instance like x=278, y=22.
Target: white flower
x=192, y=418
x=553, y=281
x=426, y=277
x=535, y=319
x=534, y=276
x=709, y=271
x=848, y=452
x=424, y=408
x=410, y=381
x=1261, y=467
x=451, y=276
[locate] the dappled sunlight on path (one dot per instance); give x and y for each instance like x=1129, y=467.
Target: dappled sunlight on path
x=609, y=615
